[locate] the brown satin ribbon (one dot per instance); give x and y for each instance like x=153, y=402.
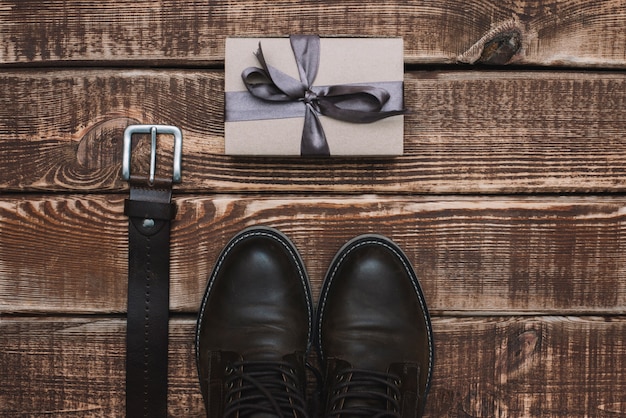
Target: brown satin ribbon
x=350, y=103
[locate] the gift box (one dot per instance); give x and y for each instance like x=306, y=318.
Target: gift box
x=311, y=96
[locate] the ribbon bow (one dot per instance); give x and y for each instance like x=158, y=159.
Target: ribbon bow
x=350, y=103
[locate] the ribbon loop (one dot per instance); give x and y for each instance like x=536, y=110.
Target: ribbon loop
x=306, y=49
x=350, y=103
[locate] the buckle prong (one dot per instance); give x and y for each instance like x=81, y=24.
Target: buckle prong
x=153, y=147
x=153, y=130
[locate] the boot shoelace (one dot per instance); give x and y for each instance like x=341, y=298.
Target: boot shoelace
x=263, y=387
x=365, y=393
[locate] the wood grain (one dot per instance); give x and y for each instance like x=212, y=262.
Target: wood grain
x=476, y=201
x=491, y=255
x=73, y=367
x=583, y=33
x=467, y=132
x=520, y=366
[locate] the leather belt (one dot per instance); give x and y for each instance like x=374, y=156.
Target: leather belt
x=150, y=212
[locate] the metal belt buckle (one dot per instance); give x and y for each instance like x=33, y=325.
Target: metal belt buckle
x=154, y=130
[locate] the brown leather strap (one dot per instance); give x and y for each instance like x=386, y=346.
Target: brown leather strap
x=150, y=211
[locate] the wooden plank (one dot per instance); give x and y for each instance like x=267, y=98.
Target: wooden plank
x=76, y=367
x=488, y=255
x=467, y=132
x=576, y=33
x=520, y=366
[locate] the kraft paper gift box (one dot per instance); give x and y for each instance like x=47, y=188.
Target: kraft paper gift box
x=312, y=96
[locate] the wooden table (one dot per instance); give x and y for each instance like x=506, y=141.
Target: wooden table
x=509, y=199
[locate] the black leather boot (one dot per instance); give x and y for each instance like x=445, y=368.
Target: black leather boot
x=374, y=333
x=254, y=329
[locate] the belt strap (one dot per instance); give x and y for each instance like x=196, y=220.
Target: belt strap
x=150, y=212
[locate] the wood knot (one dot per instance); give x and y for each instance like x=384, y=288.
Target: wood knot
x=519, y=354
x=501, y=49
x=499, y=46
x=101, y=145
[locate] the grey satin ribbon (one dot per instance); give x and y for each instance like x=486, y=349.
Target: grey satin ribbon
x=348, y=102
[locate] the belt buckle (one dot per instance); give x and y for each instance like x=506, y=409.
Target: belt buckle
x=153, y=130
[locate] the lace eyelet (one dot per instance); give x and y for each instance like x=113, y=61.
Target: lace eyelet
x=229, y=370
